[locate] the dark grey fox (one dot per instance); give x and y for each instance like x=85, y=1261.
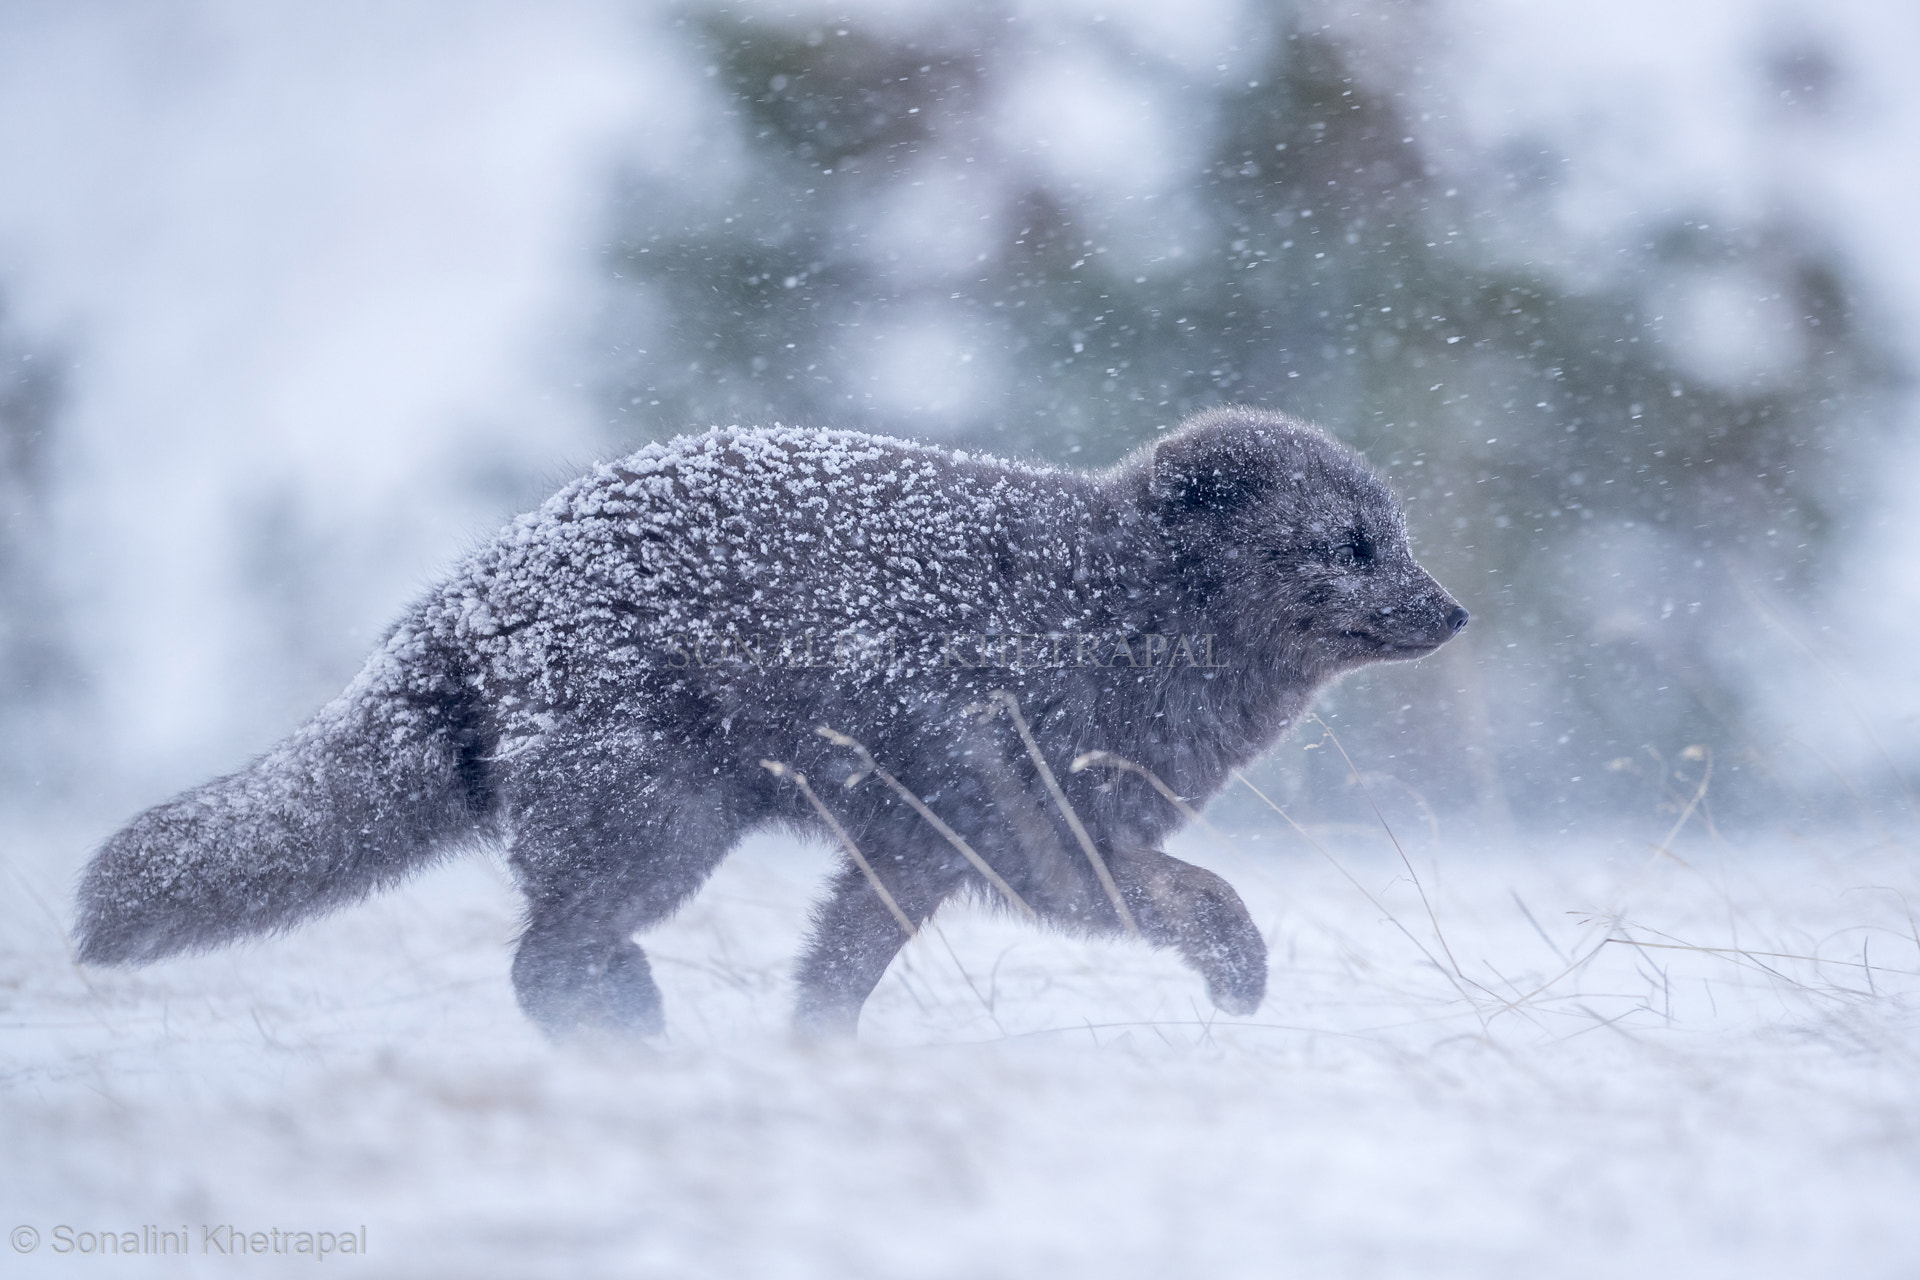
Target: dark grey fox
x=625, y=682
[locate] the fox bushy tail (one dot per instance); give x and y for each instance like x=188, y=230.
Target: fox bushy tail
x=383, y=779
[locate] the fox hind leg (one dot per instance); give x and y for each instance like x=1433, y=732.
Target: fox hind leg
x=574, y=973
x=594, y=874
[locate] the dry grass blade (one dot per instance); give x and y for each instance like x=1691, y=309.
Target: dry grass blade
x=1750, y=954
x=1405, y=861
x=869, y=765
x=1012, y=707
x=1519, y=1002
x=1458, y=980
x=1751, y=957
x=1699, y=794
x=1913, y=926
x=1108, y=760
x=799, y=779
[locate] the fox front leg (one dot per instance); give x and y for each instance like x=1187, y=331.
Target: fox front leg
x=1196, y=913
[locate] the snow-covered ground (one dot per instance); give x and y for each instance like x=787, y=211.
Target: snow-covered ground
x=1590, y=1059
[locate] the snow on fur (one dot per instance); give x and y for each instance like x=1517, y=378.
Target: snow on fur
x=601, y=685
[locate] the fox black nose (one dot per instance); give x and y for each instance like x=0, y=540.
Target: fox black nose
x=1457, y=620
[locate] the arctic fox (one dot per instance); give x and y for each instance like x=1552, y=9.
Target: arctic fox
x=625, y=682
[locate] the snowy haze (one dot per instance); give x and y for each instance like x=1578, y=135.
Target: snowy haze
x=335, y=290
x=1589, y=1062
x=329, y=292
x=316, y=271
x=1647, y=122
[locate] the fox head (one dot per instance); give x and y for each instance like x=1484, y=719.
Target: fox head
x=1286, y=530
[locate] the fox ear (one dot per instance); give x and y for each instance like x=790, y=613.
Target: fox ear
x=1220, y=462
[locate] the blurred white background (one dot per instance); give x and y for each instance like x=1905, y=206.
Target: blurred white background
x=322, y=294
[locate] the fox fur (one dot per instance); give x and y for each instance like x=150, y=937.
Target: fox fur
x=623, y=683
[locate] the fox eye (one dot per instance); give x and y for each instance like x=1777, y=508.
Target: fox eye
x=1356, y=554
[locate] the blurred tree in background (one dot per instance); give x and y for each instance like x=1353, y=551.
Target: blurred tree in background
x=1642, y=455
x=36, y=668
x=1053, y=241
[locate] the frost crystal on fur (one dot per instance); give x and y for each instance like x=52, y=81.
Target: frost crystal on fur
x=599, y=687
